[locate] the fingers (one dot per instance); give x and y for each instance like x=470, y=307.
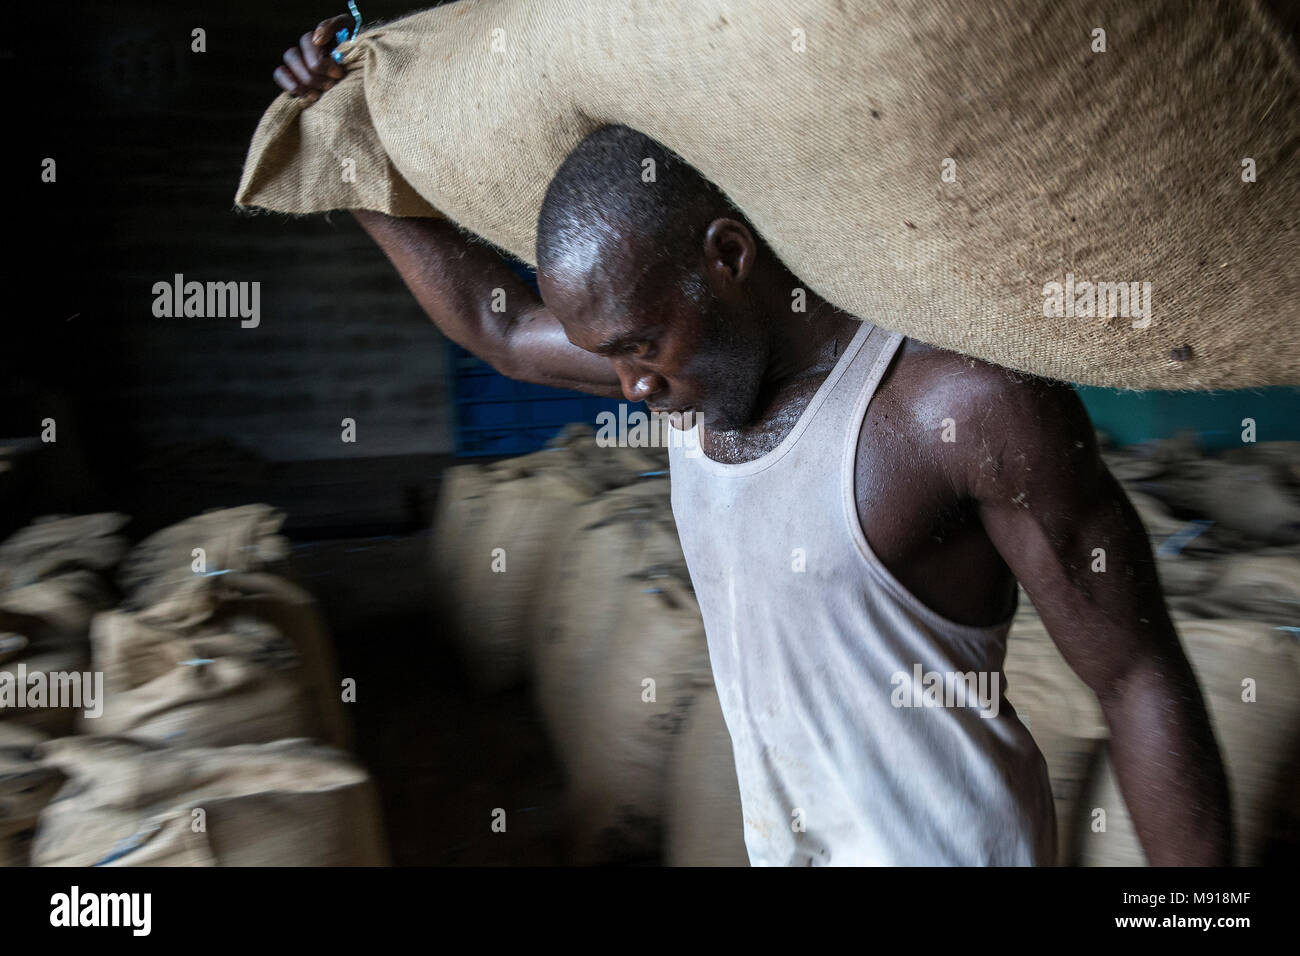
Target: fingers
x=324, y=33
x=287, y=81
x=296, y=79
x=293, y=60
x=319, y=64
x=308, y=71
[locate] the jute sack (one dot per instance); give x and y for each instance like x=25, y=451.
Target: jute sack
x=585, y=462
x=26, y=785
x=43, y=638
x=1283, y=457
x=54, y=545
x=501, y=557
x=705, y=822
x=233, y=539
x=632, y=691
x=1063, y=717
x=245, y=659
x=837, y=125
x=51, y=585
x=1129, y=468
x=65, y=603
x=1155, y=515
x=131, y=803
x=618, y=542
x=1186, y=568
x=462, y=500
x=1183, y=575
x=1258, y=740
x=522, y=506
x=621, y=617
x=1249, y=505
x=295, y=615
x=1255, y=586
x=604, y=465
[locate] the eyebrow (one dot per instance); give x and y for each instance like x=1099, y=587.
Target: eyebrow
x=620, y=341
x=614, y=344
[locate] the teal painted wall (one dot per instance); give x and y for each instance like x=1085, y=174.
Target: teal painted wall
x=1215, y=417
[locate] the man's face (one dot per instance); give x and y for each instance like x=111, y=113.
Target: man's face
x=673, y=344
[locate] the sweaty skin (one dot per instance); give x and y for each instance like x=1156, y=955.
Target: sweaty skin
x=1021, y=493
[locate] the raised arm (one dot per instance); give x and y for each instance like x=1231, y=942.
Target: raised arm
x=465, y=287
x=1048, y=502
x=458, y=282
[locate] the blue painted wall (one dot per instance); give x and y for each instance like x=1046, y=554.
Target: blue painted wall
x=1215, y=417
x=499, y=416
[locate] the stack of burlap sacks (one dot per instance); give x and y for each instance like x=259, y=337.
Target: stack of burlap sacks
x=563, y=567
x=1226, y=534
x=593, y=600
x=222, y=740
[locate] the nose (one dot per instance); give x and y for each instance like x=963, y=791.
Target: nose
x=639, y=386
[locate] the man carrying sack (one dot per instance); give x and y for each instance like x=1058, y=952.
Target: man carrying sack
x=855, y=526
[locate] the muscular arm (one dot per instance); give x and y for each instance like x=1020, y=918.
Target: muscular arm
x=455, y=282
x=1047, y=501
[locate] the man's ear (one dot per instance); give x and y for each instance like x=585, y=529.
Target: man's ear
x=729, y=253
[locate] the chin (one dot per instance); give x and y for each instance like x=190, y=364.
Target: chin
x=682, y=421
x=722, y=422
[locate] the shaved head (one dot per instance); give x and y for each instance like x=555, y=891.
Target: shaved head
x=603, y=221
x=643, y=260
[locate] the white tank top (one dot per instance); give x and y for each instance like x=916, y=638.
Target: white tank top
x=827, y=668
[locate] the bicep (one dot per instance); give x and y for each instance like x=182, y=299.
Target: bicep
x=461, y=285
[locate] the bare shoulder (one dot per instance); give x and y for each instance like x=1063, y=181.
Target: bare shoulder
x=986, y=421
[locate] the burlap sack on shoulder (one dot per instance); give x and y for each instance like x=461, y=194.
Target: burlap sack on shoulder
x=349, y=167
x=130, y=803
x=929, y=166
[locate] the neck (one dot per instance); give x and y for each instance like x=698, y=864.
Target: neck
x=802, y=345
x=802, y=342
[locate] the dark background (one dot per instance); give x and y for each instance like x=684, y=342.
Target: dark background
x=157, y=416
